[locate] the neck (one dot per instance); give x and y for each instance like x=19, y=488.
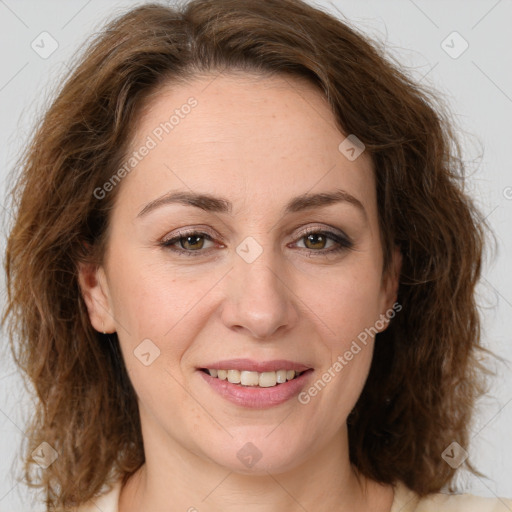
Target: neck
x=325, y=481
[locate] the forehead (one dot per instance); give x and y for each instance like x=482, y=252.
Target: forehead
x=271, y=136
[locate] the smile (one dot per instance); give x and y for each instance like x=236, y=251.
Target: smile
x=255, y=384
x=254, y=379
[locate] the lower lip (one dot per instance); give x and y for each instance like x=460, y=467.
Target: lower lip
x=255, y=397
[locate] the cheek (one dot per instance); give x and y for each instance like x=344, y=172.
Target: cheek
x=151, y=301
x=346, y=308
x=337, y=385
x=344, y=303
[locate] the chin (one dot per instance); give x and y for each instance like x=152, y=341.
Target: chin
x=259, y=453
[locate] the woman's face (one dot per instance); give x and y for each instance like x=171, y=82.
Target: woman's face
x=279, y=267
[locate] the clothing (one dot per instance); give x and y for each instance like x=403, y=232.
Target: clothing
x=405, y=501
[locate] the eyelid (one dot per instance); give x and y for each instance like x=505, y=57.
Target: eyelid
x=204, y=229
x=321, y=227
x=190, y=231
x=337, y=236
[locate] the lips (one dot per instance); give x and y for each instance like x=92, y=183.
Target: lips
x=255, y=384
x=256, y=366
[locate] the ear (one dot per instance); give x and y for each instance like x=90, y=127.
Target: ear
x=390, y=284
x=95, y=291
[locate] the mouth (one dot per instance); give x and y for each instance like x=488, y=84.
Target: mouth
x=257, y=385
x=254, y=379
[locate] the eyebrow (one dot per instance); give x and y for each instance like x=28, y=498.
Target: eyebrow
x=215, y=204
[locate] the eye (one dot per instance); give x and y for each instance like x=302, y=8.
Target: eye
x=190, y=243
x=315, y=241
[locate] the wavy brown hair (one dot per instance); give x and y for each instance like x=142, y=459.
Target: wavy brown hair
x=426, y=372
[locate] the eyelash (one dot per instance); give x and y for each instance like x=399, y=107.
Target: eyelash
x=343, y=242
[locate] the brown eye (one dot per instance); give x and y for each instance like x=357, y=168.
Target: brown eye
x=193, y=242
x=324, y=243
x=315, y=241
x=189, y=244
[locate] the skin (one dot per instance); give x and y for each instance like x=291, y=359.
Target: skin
x=258, y=142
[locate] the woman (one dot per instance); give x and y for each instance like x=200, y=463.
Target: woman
x=240, y=244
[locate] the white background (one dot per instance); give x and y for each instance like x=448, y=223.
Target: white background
x=477, y=84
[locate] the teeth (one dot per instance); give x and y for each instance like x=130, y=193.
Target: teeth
x=249, y=378
x=281, y=376
x=234, y=376
x=254, y=379
x=268, y=379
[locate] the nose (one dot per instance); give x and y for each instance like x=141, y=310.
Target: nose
x=259, y=298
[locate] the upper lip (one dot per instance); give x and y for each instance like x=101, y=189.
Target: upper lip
x=256, y=366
